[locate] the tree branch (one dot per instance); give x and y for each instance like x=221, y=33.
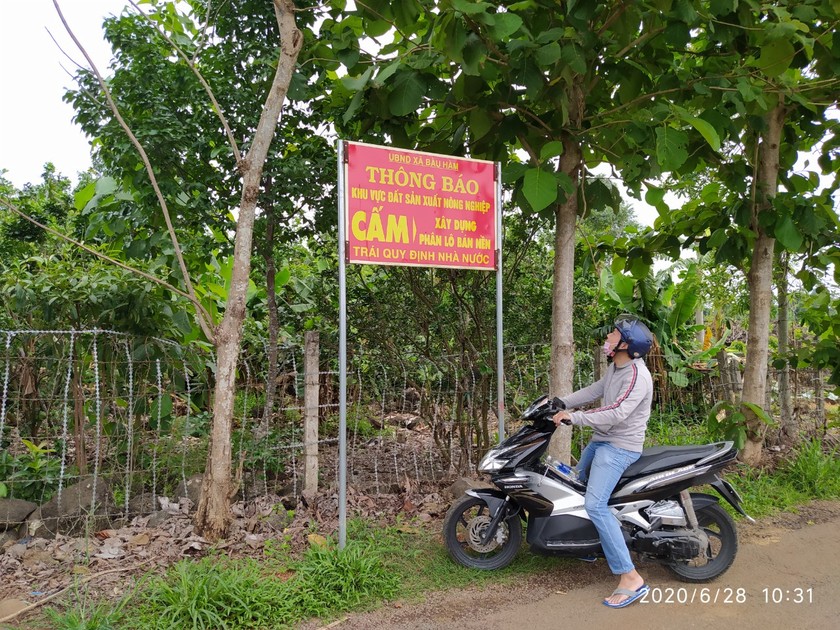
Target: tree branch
x=206, y=324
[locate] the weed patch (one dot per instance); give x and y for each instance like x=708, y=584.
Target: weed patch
x=222, y=593
x=812, y=473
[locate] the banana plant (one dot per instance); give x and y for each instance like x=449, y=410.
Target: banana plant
x=667, y=306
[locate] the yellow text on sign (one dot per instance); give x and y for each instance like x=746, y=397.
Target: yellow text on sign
x=371, y=229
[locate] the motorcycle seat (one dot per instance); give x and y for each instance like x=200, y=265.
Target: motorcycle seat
x=658, y=458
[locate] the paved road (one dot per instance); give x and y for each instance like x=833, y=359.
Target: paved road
x=774, y=562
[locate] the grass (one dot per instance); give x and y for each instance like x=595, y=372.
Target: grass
x=812, y=473
x=218, y=592
x=417, y=556
x=86, y=613
x=403, y=561
x=672, y=429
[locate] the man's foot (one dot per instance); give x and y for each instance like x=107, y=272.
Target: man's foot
x=631, y=587
x=625, y=596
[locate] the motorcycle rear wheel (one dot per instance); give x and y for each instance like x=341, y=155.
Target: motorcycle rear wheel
x=463, y=526
x=723, y=545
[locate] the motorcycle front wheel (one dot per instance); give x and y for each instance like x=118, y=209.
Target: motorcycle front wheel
x=465, y=523
x=723, y=545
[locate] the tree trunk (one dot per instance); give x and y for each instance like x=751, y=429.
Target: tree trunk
x=562, y=295
x=213, y=516
x=790, y=426
x=760, y=281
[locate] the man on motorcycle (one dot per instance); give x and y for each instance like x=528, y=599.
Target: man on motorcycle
x=619, y=427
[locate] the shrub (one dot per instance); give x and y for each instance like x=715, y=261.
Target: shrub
x=219, y=593
x=813, y=471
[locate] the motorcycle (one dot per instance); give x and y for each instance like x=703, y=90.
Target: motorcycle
x=688, y=532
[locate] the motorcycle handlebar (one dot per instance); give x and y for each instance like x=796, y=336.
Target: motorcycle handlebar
x=543, y=409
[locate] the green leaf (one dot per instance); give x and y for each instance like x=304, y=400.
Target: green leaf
x=469, y=7
x=565, y=182
x=624, y=288
x=474, y=53
x=717, y=238
x=84, y=195
x=656, y=197
x=573, y=56
x=639, y=267
x=787, y=234
x=775, y=57
x=182, y=322
x=670, y=148
x=551, y=149
x=281, y=279
x=739, y=436
x=683, y=310
x=386, y=74
x=758, y=412
x=684, y=10
x=405, y=13
x=506, y=25
x=480, y=123
x=680, y=379
x=407, y=93
x=106, y=186
x=513, y=171
x=357, y=83
x=705, y=128
x=539, y=188
x=548, y=54
x=355, y=105
x=162, y=405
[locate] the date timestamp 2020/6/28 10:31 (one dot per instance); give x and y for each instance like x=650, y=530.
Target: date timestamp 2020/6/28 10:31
x=726, y=595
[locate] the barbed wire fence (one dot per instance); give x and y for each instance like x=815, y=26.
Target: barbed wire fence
x=129, y=418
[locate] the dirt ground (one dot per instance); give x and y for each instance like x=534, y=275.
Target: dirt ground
x=786, y=558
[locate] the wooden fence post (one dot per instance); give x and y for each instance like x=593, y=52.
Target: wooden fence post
x=311, y=367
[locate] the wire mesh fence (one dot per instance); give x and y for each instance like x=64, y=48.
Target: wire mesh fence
x=99, y=424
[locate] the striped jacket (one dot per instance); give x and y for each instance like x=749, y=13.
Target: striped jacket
x=626, y=394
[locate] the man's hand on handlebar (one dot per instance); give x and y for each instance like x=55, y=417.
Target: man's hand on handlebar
x=562, y=417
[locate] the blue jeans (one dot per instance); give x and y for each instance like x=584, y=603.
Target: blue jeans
x=602, y=464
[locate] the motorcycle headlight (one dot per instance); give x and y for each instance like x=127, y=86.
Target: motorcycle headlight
x=493, y=461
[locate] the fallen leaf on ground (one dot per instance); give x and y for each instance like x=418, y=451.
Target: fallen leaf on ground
x=140, y=539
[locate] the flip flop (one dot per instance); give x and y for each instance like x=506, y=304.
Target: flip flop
x=632, y=596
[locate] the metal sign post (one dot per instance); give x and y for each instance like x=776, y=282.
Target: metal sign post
x=342, y=354
x=500, y=352
x=401, y=207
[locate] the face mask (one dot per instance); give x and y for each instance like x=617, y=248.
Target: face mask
x=607, y=348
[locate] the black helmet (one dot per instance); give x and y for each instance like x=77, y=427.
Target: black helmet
x=635, y=334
